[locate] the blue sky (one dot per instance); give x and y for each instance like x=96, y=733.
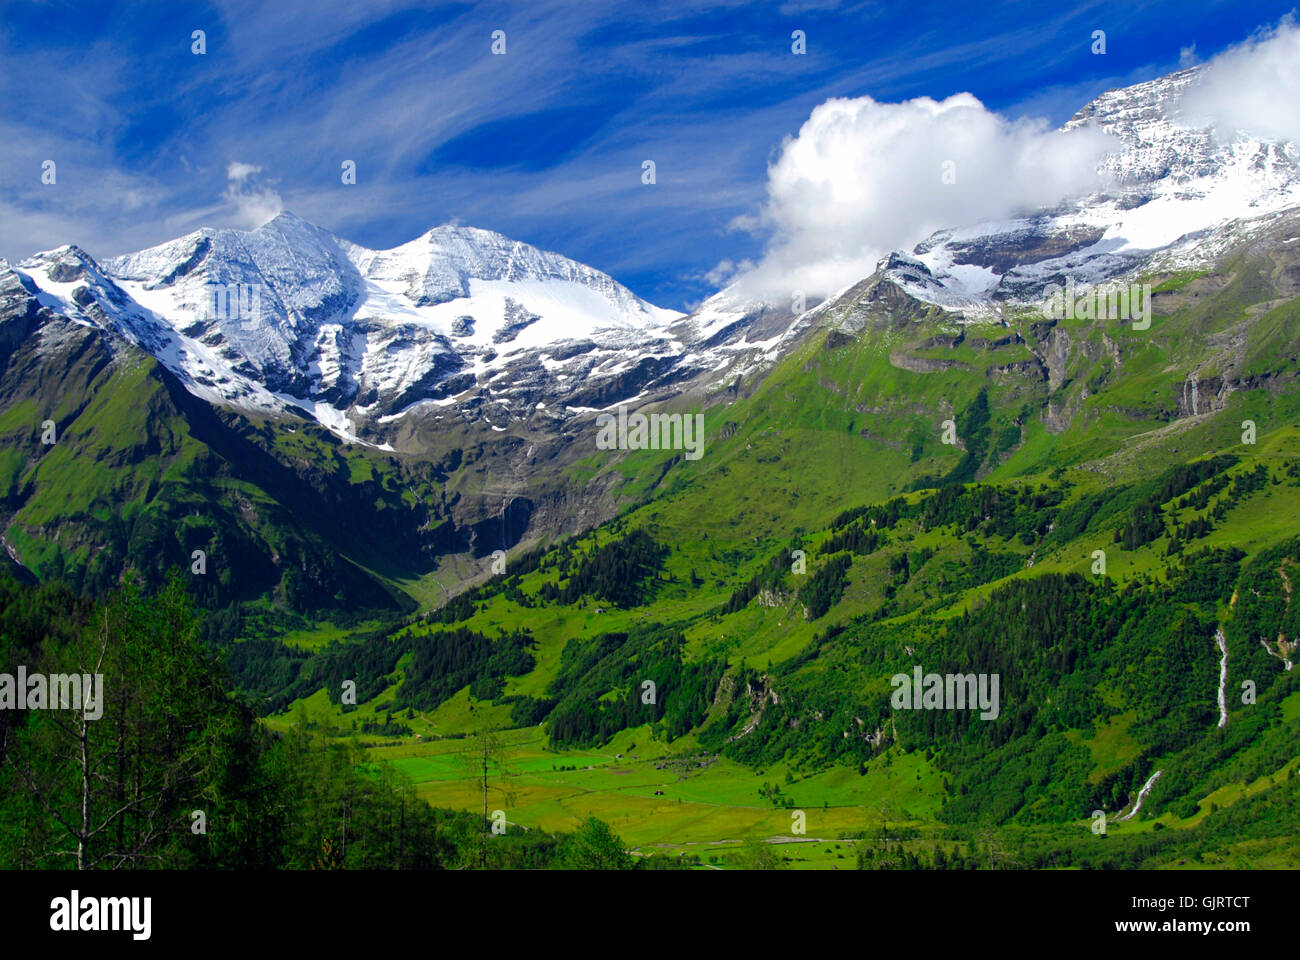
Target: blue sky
x=544, y=144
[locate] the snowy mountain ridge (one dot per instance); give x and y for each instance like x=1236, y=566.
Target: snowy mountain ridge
x=466, y=324
x=1176, y=193
x=315, y=324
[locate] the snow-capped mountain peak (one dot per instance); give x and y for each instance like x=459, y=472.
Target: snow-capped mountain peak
x=290, y=316
x=1174, y=193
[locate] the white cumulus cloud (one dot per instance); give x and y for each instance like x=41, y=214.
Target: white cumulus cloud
x=863, y=178
x=1253, y=87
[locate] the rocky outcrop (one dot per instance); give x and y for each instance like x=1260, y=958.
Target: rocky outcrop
x=904, y=361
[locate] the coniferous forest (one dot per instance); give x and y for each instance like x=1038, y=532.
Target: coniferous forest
x=175, y=749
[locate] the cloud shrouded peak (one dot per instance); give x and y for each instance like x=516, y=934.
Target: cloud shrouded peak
x=863, y=178
x=1252, y=88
